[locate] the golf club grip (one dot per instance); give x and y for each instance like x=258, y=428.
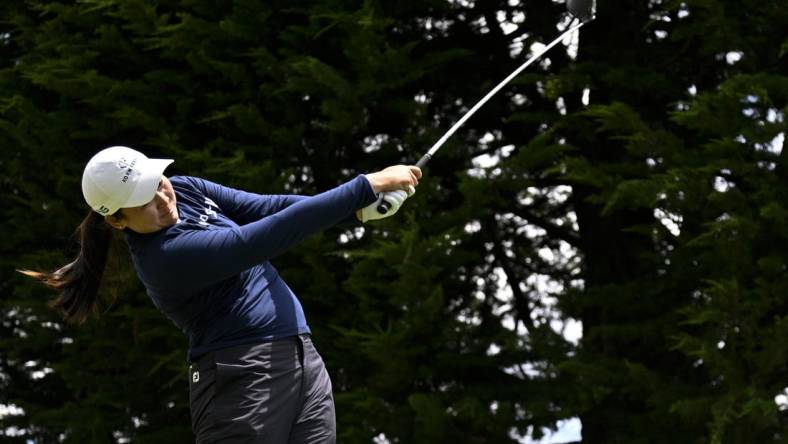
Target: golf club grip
x=384, y=205
x=423, y=161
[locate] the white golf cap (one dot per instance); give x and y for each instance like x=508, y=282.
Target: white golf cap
x=121, y=177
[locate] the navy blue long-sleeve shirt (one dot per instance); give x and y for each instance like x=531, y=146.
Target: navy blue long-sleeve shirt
x=210, y=272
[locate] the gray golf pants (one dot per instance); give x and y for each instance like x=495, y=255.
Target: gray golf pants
x=268, y=393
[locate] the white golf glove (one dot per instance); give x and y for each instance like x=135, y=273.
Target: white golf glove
x=394, y=199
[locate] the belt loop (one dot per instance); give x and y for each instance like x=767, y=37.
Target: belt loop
x=300, y=348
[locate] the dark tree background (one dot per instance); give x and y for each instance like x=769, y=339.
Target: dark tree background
x=634, y=184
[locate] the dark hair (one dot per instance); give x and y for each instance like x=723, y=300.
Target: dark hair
x=79, y=280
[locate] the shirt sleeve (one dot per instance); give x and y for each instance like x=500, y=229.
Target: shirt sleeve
x=241, y=206
x=197, y=258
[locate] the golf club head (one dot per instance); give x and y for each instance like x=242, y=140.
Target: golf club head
x=582, y=9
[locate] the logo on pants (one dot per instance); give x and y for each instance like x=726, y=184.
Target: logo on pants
x=196, y=377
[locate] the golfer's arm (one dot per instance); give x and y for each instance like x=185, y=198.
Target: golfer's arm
x=242, y=206
x=201, y=257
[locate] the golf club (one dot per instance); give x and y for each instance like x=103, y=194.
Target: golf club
x=582, y=10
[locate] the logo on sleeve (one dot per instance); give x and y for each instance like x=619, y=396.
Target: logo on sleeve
x=209, y=212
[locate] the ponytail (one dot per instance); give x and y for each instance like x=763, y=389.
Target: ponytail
x=79, y=280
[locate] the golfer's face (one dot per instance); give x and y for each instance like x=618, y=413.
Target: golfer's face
x=157, y=214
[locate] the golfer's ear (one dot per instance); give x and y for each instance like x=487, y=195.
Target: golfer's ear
x=116, y=220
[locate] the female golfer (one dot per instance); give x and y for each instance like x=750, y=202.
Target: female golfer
x=202, y=251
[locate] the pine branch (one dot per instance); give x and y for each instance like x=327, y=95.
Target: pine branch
x=554, y=231
x=521, y=300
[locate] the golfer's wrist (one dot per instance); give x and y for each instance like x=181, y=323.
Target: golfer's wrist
x=375, y=181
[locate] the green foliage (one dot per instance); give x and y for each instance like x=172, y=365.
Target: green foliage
x=445, y=322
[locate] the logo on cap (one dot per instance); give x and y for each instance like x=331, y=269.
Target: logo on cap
x=128, y=166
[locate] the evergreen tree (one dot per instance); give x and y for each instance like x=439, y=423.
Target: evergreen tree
x=662, y=145
x=446, y=322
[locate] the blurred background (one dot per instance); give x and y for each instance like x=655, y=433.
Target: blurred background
x=600, y=255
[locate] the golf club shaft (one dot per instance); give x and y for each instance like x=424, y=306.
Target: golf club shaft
x=495, y=90
x=384, y=205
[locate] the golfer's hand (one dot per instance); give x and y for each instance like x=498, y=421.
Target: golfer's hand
x=395, y=200
x=397, y=177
